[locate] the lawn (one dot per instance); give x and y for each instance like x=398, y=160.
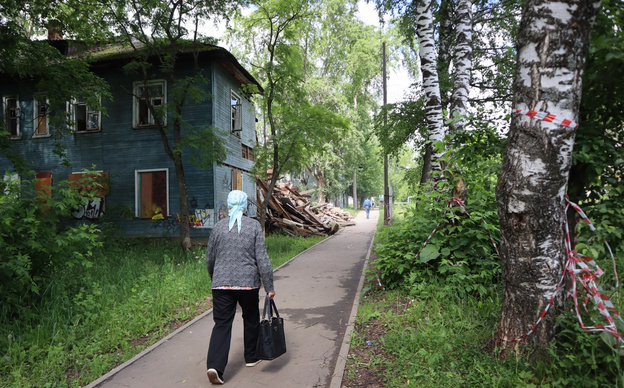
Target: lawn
x=89, y=320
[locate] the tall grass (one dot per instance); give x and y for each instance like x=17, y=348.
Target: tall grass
x=92, y=319
x=436, y=338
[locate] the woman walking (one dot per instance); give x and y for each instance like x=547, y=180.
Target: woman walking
x=238, y=265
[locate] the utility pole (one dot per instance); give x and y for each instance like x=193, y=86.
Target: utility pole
x=385, y=101
x=355, y=200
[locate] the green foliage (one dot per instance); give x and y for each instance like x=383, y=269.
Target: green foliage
x=91, y=319
x=579, y=358
x=433, y=342
x=460, y=251
x=38, y=240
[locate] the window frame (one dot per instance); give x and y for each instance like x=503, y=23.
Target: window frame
x=36, y=117
x=7, y=117
x=9, y=179
x=74, y=104
x=236, y=114
x=136, y=103
x=137, y=190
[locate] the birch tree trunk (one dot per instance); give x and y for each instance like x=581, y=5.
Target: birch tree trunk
x=552, y=48
x=462, y=62
x=431, y=84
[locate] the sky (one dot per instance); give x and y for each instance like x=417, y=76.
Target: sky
x=398, y=79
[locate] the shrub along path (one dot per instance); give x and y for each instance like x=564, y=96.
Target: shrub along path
x=317, y=294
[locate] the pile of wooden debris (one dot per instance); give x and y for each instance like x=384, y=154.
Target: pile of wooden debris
x=291, y=211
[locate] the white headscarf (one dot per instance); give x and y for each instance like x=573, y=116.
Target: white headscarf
x=237, y=203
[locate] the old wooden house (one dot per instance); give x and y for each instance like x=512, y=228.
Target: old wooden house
x=142, y=195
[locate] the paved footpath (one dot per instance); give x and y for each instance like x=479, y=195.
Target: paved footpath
x=317, y=294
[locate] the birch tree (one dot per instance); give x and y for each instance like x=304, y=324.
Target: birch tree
x=268, y=39
x=431, y=84
x=463, y=64
x=552, y=45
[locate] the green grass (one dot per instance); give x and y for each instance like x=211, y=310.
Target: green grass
x=92, y=319
x=438, y=341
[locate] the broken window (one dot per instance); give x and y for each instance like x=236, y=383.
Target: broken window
x=236, y=108
x=86, y=119
x=152, y=193
x=248, y=153
x=41, y=120
x=12, y=116
x=149, y=103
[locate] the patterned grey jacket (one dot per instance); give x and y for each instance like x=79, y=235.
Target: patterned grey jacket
x=238, y=259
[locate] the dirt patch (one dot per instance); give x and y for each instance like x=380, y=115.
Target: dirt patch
x=363, y=368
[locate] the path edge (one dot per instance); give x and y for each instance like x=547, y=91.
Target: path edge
x=341, y=362
x=102, y=379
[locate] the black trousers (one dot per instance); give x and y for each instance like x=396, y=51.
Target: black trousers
x=223, y=311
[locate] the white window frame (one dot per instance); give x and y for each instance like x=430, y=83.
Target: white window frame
x=136, y=102
x=7, y=115
x=236, y=114
x=137, y=190
x=37, y=109
x=75, y=103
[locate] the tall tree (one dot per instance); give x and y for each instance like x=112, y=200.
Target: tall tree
x=552, y=47
x=41, y=65
x=463, y=65
x=269, y=39
x=342, y=72
x=431, y=84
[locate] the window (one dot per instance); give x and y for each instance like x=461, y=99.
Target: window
x=85, y=118
x=237, y=180
x=149, y=100
x=236, y=108
x=43, y=188
x=248, y=153
x=152, y=193
x=11, y=185
x=41, y=113
x=94, y=185
x=12, y=116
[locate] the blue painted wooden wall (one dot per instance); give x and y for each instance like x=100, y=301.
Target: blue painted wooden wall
x=120, y=149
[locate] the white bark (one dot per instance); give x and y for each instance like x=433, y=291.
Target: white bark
x=553, y=40
x=431, y=84
x=462, y=62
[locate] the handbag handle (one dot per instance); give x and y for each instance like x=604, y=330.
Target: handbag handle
x=270, y=304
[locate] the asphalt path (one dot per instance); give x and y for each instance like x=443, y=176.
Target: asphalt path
x=317, y=294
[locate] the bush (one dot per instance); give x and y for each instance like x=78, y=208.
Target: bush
x=461, y=250
x=37, y=239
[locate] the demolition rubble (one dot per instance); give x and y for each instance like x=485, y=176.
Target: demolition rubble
x=292, y=212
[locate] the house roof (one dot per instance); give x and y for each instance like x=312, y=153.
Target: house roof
x=111, y=52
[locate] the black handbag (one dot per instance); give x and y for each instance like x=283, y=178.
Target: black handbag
x=271, y=339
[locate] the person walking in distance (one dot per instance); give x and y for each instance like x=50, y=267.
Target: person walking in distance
x=238, y=265
x=367, y=206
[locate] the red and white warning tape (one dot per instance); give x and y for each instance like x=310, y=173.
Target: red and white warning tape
x=549, y=117
x=578, y=267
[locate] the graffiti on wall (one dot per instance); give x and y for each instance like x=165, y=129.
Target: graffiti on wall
x=203, y=218
x=91, y=209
